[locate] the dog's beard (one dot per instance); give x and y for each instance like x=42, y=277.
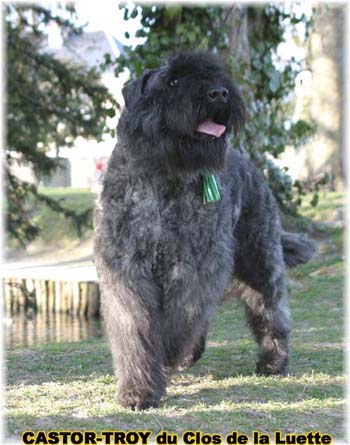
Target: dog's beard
x=198, y=154
x=191, y=141
x=152, y=145
x=196, y=138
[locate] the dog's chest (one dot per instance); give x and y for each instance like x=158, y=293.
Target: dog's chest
x=164, y=225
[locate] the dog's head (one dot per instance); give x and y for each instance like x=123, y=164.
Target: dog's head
x=185, y=111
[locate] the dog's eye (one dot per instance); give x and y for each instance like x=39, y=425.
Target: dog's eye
x=174, y=82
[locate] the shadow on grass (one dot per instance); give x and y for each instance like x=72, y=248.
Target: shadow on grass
x=41, y=365
x=62, y=362
x=289, y=417
x=252, y=391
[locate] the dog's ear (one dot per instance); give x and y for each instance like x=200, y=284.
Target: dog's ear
x=134, y=89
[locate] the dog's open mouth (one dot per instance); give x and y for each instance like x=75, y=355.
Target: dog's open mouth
x=215, y=125
x=211, y=128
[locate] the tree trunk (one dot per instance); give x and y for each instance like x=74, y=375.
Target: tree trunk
x=236, y=20
x=326, y=56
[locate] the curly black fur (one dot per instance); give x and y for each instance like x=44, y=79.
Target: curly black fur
x=164, y=258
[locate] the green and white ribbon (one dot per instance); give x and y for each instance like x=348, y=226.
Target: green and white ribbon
x=210, y=189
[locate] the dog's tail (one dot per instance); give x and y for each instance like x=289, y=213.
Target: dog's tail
x=297, y=249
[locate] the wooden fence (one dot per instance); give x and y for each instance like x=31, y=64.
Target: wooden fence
x=41, y=295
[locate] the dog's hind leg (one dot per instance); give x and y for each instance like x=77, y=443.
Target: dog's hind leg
x=270, y=326
x=260, y=265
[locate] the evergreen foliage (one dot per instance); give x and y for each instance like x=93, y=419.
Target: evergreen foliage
x=49, y=104
x=267, y=83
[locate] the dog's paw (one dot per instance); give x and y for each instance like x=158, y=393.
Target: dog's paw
x=186, y=362
x=266, y=371
x=269, y=365
x=192, y=358
x=189, y=361
x=130, y=399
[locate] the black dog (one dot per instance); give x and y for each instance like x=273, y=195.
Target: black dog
x=180, y=216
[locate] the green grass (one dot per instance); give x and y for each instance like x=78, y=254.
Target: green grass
x=56, y=229
x=330, y=207
x=71, y=386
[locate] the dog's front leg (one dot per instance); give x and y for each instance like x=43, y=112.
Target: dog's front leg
x=133, y=326
x=186, y=314
x=197, y=349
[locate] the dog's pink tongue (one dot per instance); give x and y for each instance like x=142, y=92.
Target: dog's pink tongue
x=212, y=128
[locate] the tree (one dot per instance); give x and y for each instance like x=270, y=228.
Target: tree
x=248, y=37
x=326, y=57
x=49, y=104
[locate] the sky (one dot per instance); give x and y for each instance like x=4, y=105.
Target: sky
x=105, y=15
x=101, y=15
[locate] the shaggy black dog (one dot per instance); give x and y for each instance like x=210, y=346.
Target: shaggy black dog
x=164, y=254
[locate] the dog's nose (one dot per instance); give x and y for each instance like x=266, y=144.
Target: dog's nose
x=218, y=94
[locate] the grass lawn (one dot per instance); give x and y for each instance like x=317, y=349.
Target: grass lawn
x=55, y=229
x=71, y=386
x=53, y=226
x=57, y=234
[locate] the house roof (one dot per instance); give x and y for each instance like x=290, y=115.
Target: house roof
x=88, y=48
